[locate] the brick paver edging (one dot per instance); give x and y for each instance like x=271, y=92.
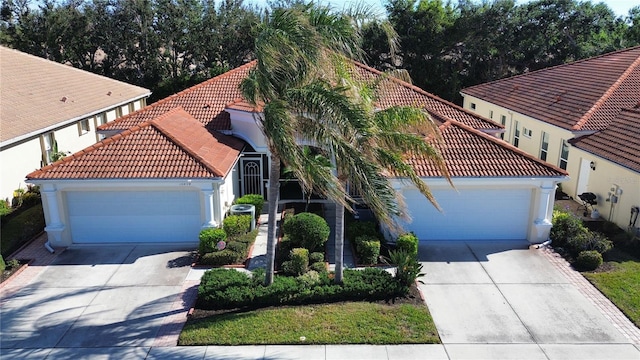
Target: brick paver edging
x=601, y=302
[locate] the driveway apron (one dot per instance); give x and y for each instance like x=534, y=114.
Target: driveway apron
x=96, y=296
x=503, y=293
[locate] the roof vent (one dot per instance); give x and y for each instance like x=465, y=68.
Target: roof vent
x=64, y=99
x=109, y=93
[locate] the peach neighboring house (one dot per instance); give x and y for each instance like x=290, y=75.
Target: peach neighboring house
x=176, y=166
x=582, y=116
x=48, y=107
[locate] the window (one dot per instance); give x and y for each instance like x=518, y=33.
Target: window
x=473, y=106
x=564, y=155
x=100, y=120
x=527, y=132
x=48, y=145
x=544, y=146
x=503, y=121
x=490, y=114
x=516, y=135
x=83, y=126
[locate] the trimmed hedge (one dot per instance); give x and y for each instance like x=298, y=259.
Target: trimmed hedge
x=408, y=243
x=565, y=227
x=588, y=260
x=236, y=225
x=235, y=252
x=307, y=230
x=298, y=262
x=252, y=199
x=209, y=238
x=228, y=289
x=368, y=249
x=359, y=228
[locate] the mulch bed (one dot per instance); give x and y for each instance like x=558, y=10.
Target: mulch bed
x=8, y=272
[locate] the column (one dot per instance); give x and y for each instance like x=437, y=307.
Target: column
x=209, y=209
x=542, y=224
x=54, y=227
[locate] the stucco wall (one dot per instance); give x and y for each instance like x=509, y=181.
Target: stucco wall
x=530, y=144
x=606, y=176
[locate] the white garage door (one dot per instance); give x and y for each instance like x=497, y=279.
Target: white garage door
x=470, y=214
x=128, y=216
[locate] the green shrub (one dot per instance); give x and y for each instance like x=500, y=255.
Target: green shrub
x=5, y=207
x=248, y=238
x=298, y=262
x=237, y=246
x=307, y=230
x=229, y=289
x=589, y=240
x=2, y=264
x=588, y=260
x=315, y=257
x=30, y=199
x=358, y=228
x=408, y=269
x=209, y=238
x=13, y=264
x=236, y=225
x=318, y=266
x=252, y=199
x=565, y=227
x=408, y=243
x=20, y=228
x=220, y=258
x=368, y=249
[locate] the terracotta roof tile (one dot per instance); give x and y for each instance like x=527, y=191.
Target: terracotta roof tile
x=469, y=152
x=619, y=142
x=37, y=93
x=158, y=149
x=205, y=102
x=583, y=95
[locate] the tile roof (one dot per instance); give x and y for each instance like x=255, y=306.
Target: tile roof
x=469, y=152
x=583, y=95
x=174, y=145
x=32, y=101
x=619, y=142
x=208, y=100
x=205, y=102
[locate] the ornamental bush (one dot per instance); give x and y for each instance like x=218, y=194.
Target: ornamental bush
x=307, y=230
x=236, y=225
x=565, y=227
x=221, y=258
x=358, y=228
x=209, y=238
x=252, y=199
x=589, y=240
x=368, y=249
x=408, y=243
x=408, y=269
x=298, y=262
x=588, y=260
x=315, y=257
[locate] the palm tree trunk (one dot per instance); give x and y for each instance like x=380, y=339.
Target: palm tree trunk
x=274, y=195
x=339, y=255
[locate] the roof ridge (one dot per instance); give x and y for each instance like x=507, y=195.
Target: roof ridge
x=91, y=148
x=178, y=94
x=607, y=94
x=552, y=67
x=185, y=147
x=505, y=144
x=429, y=95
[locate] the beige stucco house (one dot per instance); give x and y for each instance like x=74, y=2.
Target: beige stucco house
x=47, y=107
x=558, y=114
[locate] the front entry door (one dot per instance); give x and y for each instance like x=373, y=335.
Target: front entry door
x=251, y=179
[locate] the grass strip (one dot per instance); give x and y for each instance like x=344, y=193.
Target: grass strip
x=340, y=323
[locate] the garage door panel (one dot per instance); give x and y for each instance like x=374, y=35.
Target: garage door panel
x=470, y=214
x=152, y=216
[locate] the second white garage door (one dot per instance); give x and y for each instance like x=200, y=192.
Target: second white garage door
x=134, y=216
x=470, y=214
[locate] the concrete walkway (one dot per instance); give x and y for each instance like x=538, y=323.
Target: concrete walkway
x=489, y=301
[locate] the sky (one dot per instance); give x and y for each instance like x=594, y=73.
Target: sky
x=620, y=7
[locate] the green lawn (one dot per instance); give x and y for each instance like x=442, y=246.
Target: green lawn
x=621, y=285
x=342, y=323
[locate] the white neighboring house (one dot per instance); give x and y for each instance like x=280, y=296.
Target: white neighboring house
x=176, y=167
x=47, y=107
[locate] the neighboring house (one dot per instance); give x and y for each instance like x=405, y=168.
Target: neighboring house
x=576, y=116
x=176, y=166
x=49, y=109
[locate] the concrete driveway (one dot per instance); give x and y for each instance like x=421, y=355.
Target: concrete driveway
x=97, y=297
x=498, y=300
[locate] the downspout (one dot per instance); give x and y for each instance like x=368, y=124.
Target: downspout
x=48, y=246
